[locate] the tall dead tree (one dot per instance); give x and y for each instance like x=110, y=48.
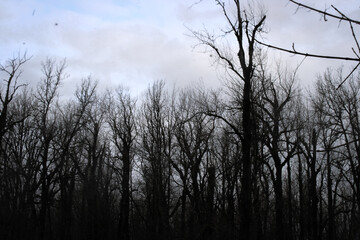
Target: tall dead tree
x=241, y=63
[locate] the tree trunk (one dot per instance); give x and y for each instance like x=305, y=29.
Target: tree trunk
x=245, y=194
x=301, y=202
x=279, y=204
x=290, y=212
x=44, y=200
x=209, y=233
x=124, y=227
x=183, y=232
x=331, y=216
x=313, y=192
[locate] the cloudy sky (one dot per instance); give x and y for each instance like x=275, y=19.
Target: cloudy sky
x=134, y=42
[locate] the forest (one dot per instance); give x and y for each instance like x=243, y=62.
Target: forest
x=259, y=159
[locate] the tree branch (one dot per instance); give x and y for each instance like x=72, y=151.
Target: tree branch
x=341, y=18
x=308, y=54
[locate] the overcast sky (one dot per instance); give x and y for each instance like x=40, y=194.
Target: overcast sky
x=134, y=42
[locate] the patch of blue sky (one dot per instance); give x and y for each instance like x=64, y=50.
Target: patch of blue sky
x=109, y=10
x=68, y=5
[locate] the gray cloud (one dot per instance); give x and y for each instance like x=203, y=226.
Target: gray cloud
x=136, y=43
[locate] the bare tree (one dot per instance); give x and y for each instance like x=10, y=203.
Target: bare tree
x=19, y=182
x=227, y=153
x=244, y=26
x=123, y=126
x=72, y=119
x=12, y=72
x=342, y=109
x=46, y=120
x=193, y=133
x=276, y=97
x=156, y=150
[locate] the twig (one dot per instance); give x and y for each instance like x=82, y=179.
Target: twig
x=348, y=76
x=342, y=17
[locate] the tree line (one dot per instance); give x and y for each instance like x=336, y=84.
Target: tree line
x=259, y=159
x=108, y=166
